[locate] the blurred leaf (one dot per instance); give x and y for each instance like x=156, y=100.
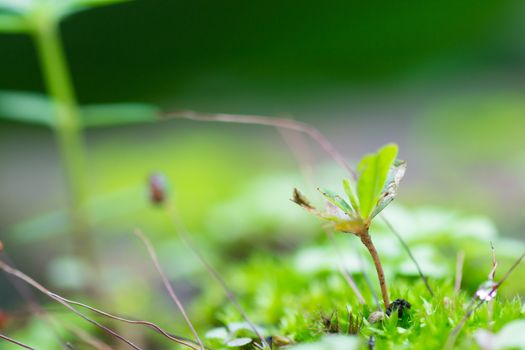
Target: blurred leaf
x=217, y=333
x=237, y=327
x=37, y=108
x=102, y=207
x=26, y=107
x=313, y=260
x=104, y=115
x=13, y=23
x=373, y=171
x=69, y=272
x=41, y=227
x=238, y=342
x=512, y=336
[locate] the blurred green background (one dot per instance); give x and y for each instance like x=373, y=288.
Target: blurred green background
x=444, y=80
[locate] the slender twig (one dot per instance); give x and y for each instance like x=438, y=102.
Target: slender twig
x=409, y=252
x=16, y=342
x=12, y=271
x=460, y=260
x=32, y=302
x=268, y=121
x=473, y=306
x=181, y=340
x=40, y=312
x=167, y=284
x=343, y=270
x=185, y=237
x=68, y=304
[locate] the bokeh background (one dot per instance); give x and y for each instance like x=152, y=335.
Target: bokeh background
x=444, y=80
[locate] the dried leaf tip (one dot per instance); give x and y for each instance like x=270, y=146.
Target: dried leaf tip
x=301, y=200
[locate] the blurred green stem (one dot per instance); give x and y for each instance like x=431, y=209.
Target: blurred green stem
x=67, y=126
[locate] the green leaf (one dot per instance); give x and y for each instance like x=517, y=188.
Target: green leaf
x=36, y=108
x=104, y=115
x=336, y=200
x=26, y=107
x=351, y=194
x=389, y=192
x=373, y=171
x=13, y=23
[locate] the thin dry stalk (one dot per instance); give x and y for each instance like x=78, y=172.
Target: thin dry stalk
x=68, y=304
x=181, y=340
x=185, y=237
x=284, y=123
x=409, y=252
x=473, y=306
x=16, y=342
x=19, y=274
x=460, y=261
x=32, y=302
x=167, y=284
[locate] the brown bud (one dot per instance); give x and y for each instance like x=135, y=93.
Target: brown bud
x=157, y=188
x=1, y=246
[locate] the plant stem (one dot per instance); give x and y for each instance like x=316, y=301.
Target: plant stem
x=67, y=126
x=367, y=241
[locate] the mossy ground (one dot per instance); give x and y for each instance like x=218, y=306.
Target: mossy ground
x=304, y=308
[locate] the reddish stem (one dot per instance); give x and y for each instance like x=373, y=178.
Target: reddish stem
x=367, y=241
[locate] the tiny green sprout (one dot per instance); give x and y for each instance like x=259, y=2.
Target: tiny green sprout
x=377, y=184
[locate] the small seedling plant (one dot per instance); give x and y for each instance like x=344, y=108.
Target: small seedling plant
x=378, y=177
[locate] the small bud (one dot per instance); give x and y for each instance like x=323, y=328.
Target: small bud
x=1, y=246
x=376, y=316
x=157, y=188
